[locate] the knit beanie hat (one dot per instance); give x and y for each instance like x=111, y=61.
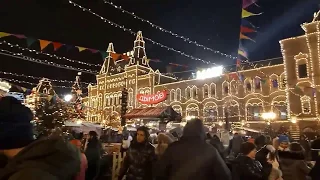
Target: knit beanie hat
x=283, y=139
x=16, y=130
x=247, y=147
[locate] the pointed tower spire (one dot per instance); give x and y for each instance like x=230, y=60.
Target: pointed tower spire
x=139, y=46
x=108, y=61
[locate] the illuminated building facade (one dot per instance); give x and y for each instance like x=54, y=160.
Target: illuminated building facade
x=4, y=87
x=268, y=88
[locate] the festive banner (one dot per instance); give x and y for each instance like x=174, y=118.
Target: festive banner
x=20, y=36
x=30, y=41
x=44, y=44
x=246, y=14
x=152, y=98
x=81, y=48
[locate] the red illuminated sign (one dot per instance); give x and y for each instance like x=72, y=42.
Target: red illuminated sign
x=153, y=98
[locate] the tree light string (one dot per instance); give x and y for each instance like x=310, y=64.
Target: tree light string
x=33, y=84
x=37, y=78
x=168, y=31
x=44, y=62
x=47, y=54
x=134, y=33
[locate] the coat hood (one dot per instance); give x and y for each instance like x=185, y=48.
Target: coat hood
x=53, y=156
x=194, y=129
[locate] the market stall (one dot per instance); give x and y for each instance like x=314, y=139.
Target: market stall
x=83, y=127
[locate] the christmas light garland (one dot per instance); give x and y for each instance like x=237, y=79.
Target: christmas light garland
x=31, y=83
x=45, y=62
x=34, y=77
x=168, y=31
x=47, y=54
x=134, y=33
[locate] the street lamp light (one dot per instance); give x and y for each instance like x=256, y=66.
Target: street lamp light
x=68, y=97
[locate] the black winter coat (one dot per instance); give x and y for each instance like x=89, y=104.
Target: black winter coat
x=245, y=168
x=191, y=158
x=138, y=163
x=261, y=156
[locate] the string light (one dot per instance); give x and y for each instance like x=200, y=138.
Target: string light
x=168, y=31
x=33, y=77
x=134, y=33
x=45, y=62
x=31, y=83
x=50, y=55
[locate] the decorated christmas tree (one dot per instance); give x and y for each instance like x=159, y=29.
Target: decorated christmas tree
x=75, y=104
x=50, y=111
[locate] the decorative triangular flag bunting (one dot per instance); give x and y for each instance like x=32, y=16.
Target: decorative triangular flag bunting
x=103, y=54
x=93, y=50
x=242, y=36
x=3, y=34
x=247, y=3
x=243, y=53
x=56, y=45
x=246, y=14
x=20, y=36
x=44, y=43
x=246, y=30
x=81, y=48
x=30, y=41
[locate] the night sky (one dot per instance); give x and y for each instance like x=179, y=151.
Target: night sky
x=213, y=23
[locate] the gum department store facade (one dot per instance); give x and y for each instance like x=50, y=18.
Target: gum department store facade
x=292, y=86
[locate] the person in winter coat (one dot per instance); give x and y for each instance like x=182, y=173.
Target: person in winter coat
x=93, y=153
x=234, y=145
x=292, y=163
x=192, y=158
x=45, y=159
x=283, y=143
x=140, y=157
x=263, y=150
x=163, y=143
x=245, y=167
x=215, y=142
x=84, y=163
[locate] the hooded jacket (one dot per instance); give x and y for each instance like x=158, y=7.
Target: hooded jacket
x=293, y=166
x=192, y=158
x=245, y=168
x=50, y=159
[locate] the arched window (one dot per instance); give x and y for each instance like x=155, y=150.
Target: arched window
x=274, y=84
x=194, y=92
x=231, y=109
x=178, y=94
x=130, y=98
x=302, y=68
x=248, y=85
x=172, y=94
x=205, y=91
x=283, y=81
x=257, y=83
x=234, y=87
x=225, y=86
x=213, y=90
x=192, y=110
x=188, y=92
x=305, y=104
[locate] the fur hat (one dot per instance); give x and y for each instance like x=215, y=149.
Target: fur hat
x=16, y=130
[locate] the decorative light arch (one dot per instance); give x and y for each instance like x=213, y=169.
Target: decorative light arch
x=232, y=107
x=172, y=95
x=210, y=112
x=257, y=84
x=192, y=110
x=279, y=107
x=177, y=108
x=188, y=92
x=254, y=108
x=233, y=87
x=305, y=104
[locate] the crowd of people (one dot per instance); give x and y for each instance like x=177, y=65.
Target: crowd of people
x=195, y=155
